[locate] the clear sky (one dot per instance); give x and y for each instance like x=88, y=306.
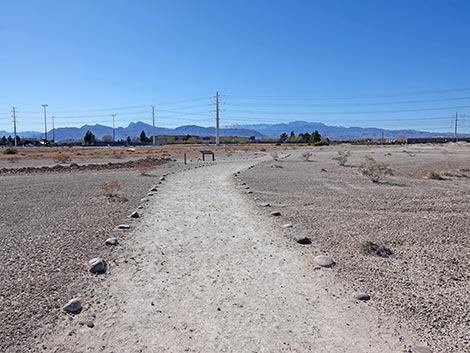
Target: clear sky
x=391, y=64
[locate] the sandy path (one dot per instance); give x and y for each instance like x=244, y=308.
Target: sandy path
x=208, y=271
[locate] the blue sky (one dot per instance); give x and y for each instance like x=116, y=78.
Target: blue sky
x=392, y=64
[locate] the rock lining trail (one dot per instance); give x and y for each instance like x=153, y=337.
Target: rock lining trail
x=207, y=270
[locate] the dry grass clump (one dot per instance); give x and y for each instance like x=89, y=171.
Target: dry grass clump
x=62, y=158
x=275, y=156
x=111, y=188
x=342, y=157
x=13, y=159
x=144, y=165
x=375, y=171
x=306, y=155
x=432, y=176
x=371, y=248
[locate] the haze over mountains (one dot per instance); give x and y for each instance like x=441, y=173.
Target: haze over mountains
x=258, y=130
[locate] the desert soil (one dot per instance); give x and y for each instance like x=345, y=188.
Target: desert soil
x=206, y=270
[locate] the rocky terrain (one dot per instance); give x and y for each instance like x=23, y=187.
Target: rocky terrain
x=403, y=240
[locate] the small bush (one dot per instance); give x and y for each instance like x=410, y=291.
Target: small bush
x=306, y=155
x=13, y=159
x=111, y=188
x=342, y=157
x=62, y=158
x=321, y=143
x=275, y=156
x=432, y=176
x=143, y=166
x=375, y=171
x=10, y=150
x=370, y=248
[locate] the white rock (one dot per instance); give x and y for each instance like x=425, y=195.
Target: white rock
x=124, y=226
x=324, y=261
x=288, y=225
x=97, y=265
x=135, y=214
x=275, y=213
x=361, y=296
x=73, y=306
x=112, y=241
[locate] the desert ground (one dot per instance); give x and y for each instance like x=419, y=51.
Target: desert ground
x=207, y=268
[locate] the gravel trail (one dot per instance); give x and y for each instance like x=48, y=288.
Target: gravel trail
x=206, y=270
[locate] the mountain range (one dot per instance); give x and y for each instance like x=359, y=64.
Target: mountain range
x=258, y=130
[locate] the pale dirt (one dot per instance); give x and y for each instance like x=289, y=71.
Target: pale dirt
x=206, y=270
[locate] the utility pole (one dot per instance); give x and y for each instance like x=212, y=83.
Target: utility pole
x=455, y=126
x=153, y=126
x=14, y=125
x=217, y=137
x=45, y=122
x=53, y=129
x=114, y=133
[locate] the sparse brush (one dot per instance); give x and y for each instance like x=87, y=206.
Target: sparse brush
x=371, y=248
x=342, y=157
x=306, y=155
x=432, y=176
x=13, y=159
x=62, y=158
x=111, y=188
x=375, y=171
x=10, y=150
x=143, y=165
x=275, y=156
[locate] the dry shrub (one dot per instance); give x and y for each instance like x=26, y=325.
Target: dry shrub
x=62, y=158
x=432, y=176
x=342, y=157
x=111, y=188
x=13, y=159
x=143, y=165
x=117, y=155
x=375, y=171
x=275, y=156
x=371, y=248
x=306, y=155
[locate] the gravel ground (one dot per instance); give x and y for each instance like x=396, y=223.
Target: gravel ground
x=51, y=224
x=424, y=285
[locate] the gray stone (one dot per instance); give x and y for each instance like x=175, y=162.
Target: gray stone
x=135, y=214
x=73, y=306
x=249, y=192
x=288, y=225
x=275, y=213
x=150, y=194
x=124, y=226
x=145, y=199
x=112, y=241
x=265, y=204
x=155, y=188
x=90, y=324
x=421, y=349
x=361, y=296
x=302, y=239
x=162, y=178
x=324, y=261
x=97, y=265
x=140, y=207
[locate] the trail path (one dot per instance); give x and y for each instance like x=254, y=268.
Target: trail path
x=209, y=271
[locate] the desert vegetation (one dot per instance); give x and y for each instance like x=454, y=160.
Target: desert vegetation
x=342, y=157
x=375, y=171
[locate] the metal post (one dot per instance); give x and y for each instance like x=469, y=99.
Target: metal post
x=45, y=122
x=217, y=136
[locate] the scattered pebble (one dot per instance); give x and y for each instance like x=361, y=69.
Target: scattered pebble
x=250, y=192
x=140, y=207
x=275, y=213
x=265, y=204
x=162, y=178
x=90, y=324
x=361, y=296
x=97, y=265
x=288, y=225
x=324, y=261
x=302, y=239
x=144, y=199
x=135, y=214
x=112, y=241
x=73, y=306
x=150, y=194
x=124, y=226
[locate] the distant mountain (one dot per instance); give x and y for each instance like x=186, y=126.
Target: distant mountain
x=133, y=130
x=334, y=132
x=258, y=130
